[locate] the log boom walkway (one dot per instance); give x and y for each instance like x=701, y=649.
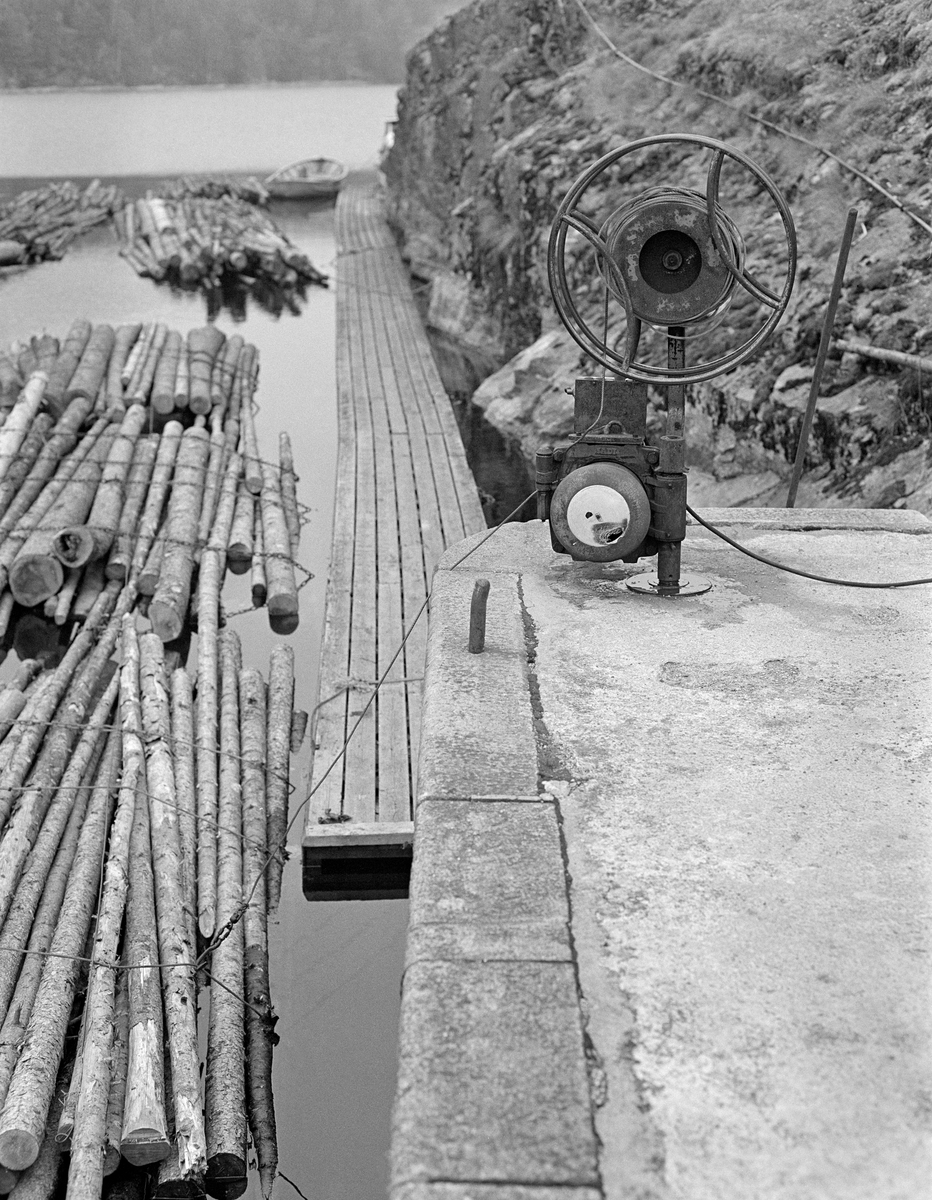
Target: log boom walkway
x=404, y=492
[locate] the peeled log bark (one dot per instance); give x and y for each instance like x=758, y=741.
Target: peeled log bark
x=148, y=578
x=144, y=1137
x=208, y=601
x=86, y=1173
x=225, y=371
x=104, y=517
x=254, y=475
x=282, y=595
x=259, y=1018
x=213, y=481
x=92, y=368
x=175, y=951
x=289, y=492
x=182, y=727
x=169, y=606
x=26, y=459
x=225, y=1079
x=158, y=489
x=23, y=1119
x=63, y=439
x=117, y=1097
x=65, y=366
x=18, y=422
x=240, y=549
x=137, y=487
x=136, y=356
x=139, y=388
x=123, y=342
x=203, y=346
x=40, y=1181
x=181, y=378
x=34, y=575
x=278, y=763
x=163, y=388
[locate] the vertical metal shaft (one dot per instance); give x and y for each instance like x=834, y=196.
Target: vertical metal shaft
x=824, y=342
x=676, y=391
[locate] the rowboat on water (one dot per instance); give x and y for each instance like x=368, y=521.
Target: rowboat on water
x=310, y=179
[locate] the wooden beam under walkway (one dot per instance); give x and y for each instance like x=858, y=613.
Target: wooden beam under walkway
x=404, y=492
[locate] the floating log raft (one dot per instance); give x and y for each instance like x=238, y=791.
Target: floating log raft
x=44, y=221
x=89, y=490
x=212, y=239
x=119, y=786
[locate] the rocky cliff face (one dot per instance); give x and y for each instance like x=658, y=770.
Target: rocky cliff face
x=509, y=100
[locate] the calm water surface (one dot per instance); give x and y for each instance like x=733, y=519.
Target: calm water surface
x=336, y=968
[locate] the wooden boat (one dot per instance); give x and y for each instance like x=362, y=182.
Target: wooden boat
x=310, y=179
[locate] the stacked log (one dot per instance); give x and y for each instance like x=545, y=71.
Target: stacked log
x=133, y=489
x=212, y=187
x=43, y=222
x=97, y=863
x=211, y=242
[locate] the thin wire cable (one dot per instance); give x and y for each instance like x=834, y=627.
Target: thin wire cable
x=770, y=562
x=797, y=137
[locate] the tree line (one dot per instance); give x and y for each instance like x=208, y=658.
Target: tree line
x=144, y=42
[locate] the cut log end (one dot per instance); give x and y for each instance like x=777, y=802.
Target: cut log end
x=8, y=1180
x=145, y=1146
x=226, y=1177
x=74, y=545
x=166, y=621
x=34, y=578
x=19, y=1149
x=283, y=623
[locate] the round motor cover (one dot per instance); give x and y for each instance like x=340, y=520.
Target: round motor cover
x=600, y=512
x=670, y=265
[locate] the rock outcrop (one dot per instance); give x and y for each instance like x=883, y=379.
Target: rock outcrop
x=505, y=104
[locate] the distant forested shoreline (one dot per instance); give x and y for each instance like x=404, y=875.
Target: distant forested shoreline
x=129, y=43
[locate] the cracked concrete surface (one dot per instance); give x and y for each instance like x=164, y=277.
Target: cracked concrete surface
x=740, y=787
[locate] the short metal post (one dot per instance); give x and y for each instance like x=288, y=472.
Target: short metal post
x=477, y=611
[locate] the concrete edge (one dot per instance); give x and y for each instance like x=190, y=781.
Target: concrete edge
x=493, y=1097
x=807, y=520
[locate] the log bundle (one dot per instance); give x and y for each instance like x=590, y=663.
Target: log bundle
x=124, y=454
x=43, y=221
x=143, y=804
x=106, y=954
x=211, y=242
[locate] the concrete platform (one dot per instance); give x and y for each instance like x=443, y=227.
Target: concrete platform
x=672, y=883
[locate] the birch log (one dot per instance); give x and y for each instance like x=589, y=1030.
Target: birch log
x=213, y=481
x=104, y=516
x=17, y=424
x=158, y=489
x=138, y=390
x=123, y=342
x=182, y=732
x=225, y=1079
x=65, y=366
x=163, y=388
x=144, y=1137
x=92, y=368
x=278, y=762
x=136, y=356
x=282, y=594
x=86, y=1170
x=259, y=578
x=259, y=1018
x=181, y=378
x=137, y=487
x=289, y=492
x=24, y=1114
x=117, y=1097
x=26, y=459
x=169, y=606
x=40, y=1181
x=175, y=951
x=203, y=346
x=208, y=603
x=240, y=549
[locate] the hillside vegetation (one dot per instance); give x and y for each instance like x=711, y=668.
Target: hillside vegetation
x=136, y=42
x=506, y=103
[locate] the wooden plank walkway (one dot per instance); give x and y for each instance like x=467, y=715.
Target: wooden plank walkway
x=404, y=492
